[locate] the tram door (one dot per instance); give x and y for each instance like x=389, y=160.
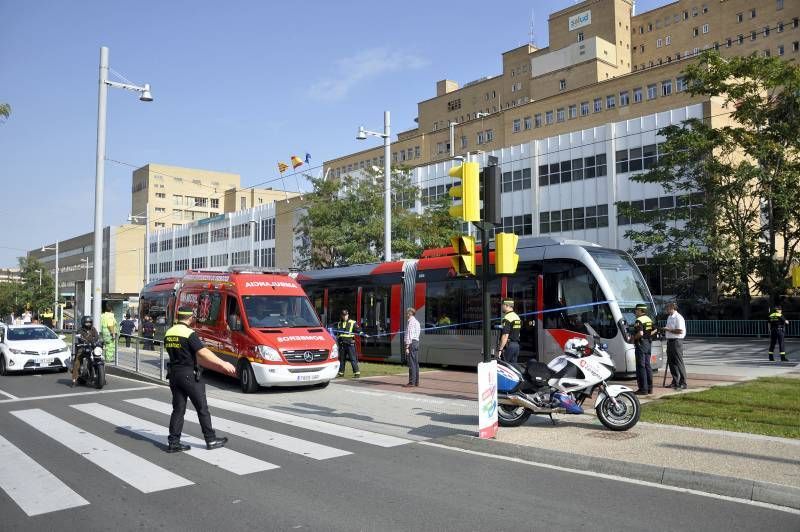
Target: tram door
x=375, y=315
x=340, y=298
x=522, y=289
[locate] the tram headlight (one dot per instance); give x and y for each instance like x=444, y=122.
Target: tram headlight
x=268, y=353
x=335, y=351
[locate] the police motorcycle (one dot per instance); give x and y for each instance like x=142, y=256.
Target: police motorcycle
x=92, y=370
x=562, y=386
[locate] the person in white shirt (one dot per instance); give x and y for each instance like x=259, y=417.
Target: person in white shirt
x=412, y=347
x=675, y=331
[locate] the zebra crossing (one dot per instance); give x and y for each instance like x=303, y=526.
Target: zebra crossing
x=36, y=491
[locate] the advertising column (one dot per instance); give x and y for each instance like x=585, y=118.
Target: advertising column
x=487, y=399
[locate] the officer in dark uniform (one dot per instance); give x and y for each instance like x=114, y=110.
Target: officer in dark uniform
x=508, y=347
x=642, y=342
x=777, y=332
x=185, y=347
x=346, y=337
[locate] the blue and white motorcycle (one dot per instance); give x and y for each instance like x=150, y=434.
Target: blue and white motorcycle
x=562, y=386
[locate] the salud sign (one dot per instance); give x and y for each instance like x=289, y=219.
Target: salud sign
x=580, y=20
x=487, y=399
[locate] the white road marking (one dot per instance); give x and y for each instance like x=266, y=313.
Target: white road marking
x=8, y=395
x=372, y=438
x=138, y=472
x=76, y=394
x=615, y=478
x=410, y=397
x=272, y=439
x=227, y=459
x=32, y=487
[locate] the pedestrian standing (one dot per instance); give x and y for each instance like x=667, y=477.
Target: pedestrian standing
x=346, y=331
x=777, y=333
x=108, y=330
x=412, y=347
x=642, y=342
x=185, y=348
x=508, y=348
x=126, y=329
x=675, y=331
x=148, y=331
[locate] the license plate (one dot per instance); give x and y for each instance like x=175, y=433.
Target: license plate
x=301, y=378
x=47, y=360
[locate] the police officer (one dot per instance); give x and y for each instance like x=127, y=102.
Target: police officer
x=641, y=338
x=508, y=348
x=777, y=332
x=185, y=347
x=346, y=337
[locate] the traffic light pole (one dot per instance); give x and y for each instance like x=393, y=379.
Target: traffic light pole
x=487, y=310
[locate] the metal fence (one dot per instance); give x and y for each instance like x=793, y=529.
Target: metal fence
x=142, y=355
x=733, y=328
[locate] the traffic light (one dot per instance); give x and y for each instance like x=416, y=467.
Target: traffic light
x=505, y=258
x=468, y=191
x=491, y=194
x=464, y=262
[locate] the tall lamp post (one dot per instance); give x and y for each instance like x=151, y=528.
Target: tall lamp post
x=146, y=217
x=102, y=96
x=387, y=173
x=56, y=319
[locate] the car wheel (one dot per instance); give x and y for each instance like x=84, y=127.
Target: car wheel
x=247, y=379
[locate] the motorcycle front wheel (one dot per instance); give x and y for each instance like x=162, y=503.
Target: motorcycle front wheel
x=99, y=377
x=623, y=416
x=512, y=416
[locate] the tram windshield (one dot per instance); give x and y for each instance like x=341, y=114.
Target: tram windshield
x=623, y=276
x=279, y=311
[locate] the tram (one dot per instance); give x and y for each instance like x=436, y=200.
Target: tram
x=559, y=286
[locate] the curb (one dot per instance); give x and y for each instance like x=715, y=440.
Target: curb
x=131, y=374
x=751, y=490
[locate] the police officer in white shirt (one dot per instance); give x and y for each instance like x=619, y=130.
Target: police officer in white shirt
x=675, y=331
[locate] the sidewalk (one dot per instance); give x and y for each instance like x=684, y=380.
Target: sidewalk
x=741, y=465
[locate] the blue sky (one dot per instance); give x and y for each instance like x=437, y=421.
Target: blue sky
x=237, y=85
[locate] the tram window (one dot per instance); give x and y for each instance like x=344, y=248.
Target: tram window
x=338, y=300
x=317, y=298
x=575, y=298
x=459, y=302
x=375, y=308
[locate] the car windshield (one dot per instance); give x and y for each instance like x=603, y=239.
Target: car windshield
x=31, y=333
x=628, y=286
x=279, y=311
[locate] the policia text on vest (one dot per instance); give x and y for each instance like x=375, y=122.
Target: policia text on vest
x=186, y=352
x=508, y=348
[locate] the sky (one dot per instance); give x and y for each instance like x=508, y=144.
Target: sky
x=238, y=86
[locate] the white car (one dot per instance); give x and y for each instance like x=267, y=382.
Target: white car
x=31, y=347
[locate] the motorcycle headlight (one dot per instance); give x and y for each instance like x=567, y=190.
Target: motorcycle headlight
x=335, y=351
x=268, y=353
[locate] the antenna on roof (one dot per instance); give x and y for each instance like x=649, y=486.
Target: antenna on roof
x=633, y=8
x=532, y=32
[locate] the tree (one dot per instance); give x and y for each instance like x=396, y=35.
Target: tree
x=32, y=294
x=5, y=110
x=742, y=176
x=344, y=221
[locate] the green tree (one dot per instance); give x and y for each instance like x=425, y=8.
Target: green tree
x=33, y=294
x=5, y=110
x=343, y=222
x=740, y=179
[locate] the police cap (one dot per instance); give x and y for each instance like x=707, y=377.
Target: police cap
x=641, y=306
x=184, y=312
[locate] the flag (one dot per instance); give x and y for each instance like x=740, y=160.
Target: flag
x=308, y=158
x=296, y=161
x=282, y=167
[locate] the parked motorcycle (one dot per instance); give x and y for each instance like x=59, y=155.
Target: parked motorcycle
x=562, y=386
x=92, y=370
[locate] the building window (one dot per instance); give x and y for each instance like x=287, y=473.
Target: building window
x=780, y=49
x=705, y=28
x=219, y=235
x=548, y=117
x=165, y=267
x=528, y=122
x=753, y=35
x=165, y=245
x=753, y=13
x=537, y=120
x=740, y=39
x=681, y=84
x=572, y=170
x=577, y=219
x=153, y=269
x=454, y=105
x=181, y=265
x=598, y=105
x=705, y=9
x=623, y=99
x=652, y=92
x=611, y=101
x=267, y=258
x=767, y=53
x=517, y=125
x=666, y=87
x=219, y=260
x=182, y=242
x=562, y=84
x=685, y=15
x=239, y=258
x=560, y=116
x=440, y=148
x=198, y=263
x=778, y=5
x=694, y=12
x=739, y=17
x=766, y=31
x=795, y=22
x=153, y=247
x=668, y=40
x=463, y=142
x=517, y=180
x=795, y=46
x=780, y=27
x=584, y=108
x=580, y=36
x=637, y=95
x=659, y=43
x=573, y=111
x=695, y=31
x=417, y=153
x=489, y=135
x=199, y=238
x=161, y=195
x=729, y=42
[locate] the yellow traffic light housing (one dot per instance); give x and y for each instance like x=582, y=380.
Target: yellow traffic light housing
x=464, y=261
x=505, y=258
x=468, y=191
x=796, y=276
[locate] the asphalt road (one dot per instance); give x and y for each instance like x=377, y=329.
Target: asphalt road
x=82, y=459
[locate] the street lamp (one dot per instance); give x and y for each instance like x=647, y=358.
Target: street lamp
x=146, y=216
x=102, y=96
x=55, y=297
x=387, y=172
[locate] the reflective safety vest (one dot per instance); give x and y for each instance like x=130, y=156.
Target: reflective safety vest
x=176, y=342
x=346, y=330
x=647, y=326
x=776, y=321
x=512, y=319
